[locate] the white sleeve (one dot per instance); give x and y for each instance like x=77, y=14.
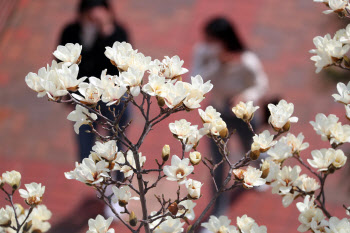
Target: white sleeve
x=255, y=92
x=204, y=62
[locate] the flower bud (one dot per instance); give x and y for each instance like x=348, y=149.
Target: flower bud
x=238, y=173
x=224, y=133
x=194, y=188
x=254, y=155
x=161, y=101
x=165, y=152
x=195, y=157
x=12, y=178
x=286, y=127
x=132, y=219
x=173, y=208
x=27, y=226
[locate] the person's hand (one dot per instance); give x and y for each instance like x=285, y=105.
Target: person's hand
x=103, y=18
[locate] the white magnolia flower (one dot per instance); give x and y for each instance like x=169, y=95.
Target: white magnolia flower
x=248, y=225
x=12, y=178
x=132, y=79
x=216, y=127
x=121, y=54
x=186, y=207
x=106, y=150
x=252, y=177
x=264, y=141
x=339, y=134
x=154, y=86
x=100, y=225
x=296, y=143
x=270, y=170
x=174, y=94
x=343, y=35
x=89, y=172
x=280, y=152
x=193, y=98
x=327, y=51
x=91, y=94
x=308, y=184
x=195, y=157
x=323, y=125
x=344, y=93
x=281, y=115
x=126, y=169
x=172, y=67
x=5, y=217
x=182, y=129
x=179, y=169
x=194, y=188
x=170, y=225
x=34, y=193
x=34, y=81
x=209, y=115
x=311, y=217
x=338, y=226
x=39, y=218
x=337, y=6
x=104, y=82
x=193, y=138
x=81, y=116
x=245, y=111
x=122, y=195
x=219, y=225
x=324, y=158
x=69, y=53
x=286, y=179
x=201, y=86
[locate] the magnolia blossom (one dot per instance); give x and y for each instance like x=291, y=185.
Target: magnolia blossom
x=337, y=6
x=340, y=134
x=296, y=143
x=264, y=141
x=186, y=207
x=343, y=35
x=245, y=111
x=5, y=217
x=170, y=68
x=195, y=157
x=308, y=184
x=124, y=167
x=221, y=224
x=132, y=79
x=89, y=172
x=281, y=115
x=69, y=53
x=170, y=225
x=252, y=177
x=280, y=152
x=196, y=92
x=155, y=84
x=248, y=225
x=327, y=51
x=91, y=94
x=324, y=158
x=12, y=178
x=217, y=127
x=121, y=54
x=323, y=125
x=81, y=116
x=106, y=150
x=34, y=193
x=344, y=93
x=174, y=94
x=100, y=225
x=286, y=179
x=179, y=169
x=209, y=115
x=39, y=217
x=338, y=226
x=311, y=217
x=270, y=170
x=194, y=188
x=122, y=195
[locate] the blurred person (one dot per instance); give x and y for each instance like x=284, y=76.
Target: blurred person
x=237, y=75
x=95, y=27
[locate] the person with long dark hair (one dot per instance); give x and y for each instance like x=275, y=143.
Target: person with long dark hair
x=237, y=75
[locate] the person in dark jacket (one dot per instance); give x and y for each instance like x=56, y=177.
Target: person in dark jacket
x=95, y=28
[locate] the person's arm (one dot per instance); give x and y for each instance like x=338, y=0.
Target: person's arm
x=260, y=87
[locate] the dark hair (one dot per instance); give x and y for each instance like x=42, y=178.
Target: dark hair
x=89, y=4
x=221, y=29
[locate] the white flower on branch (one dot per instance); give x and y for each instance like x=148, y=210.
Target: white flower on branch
x=281, y=115
x=245, y=111
x=338, y=226
x=81, y=116
x=69, y=53
x=106, y=150
x=340, y=134
x=209, y=115
x=343, y=35
x=126, y=169
x=12, y=178
x=287, y=178
x=39, y=218
x=217, y=127
x=337, y=6
x=270, y=170
x=91, y=94
x=324, y=158
x=194, y=188
x=174, y=94
x=196, y=92
x=344, y=93
x=186, y=207
x=195, y=157
x=170, y=225
x=280, y=152
x=132, y=79
x=248, y=225
x=122, y=195
x=327, y=52
x=155, y=84
x=100, y=225
x=179, y=169
x=5, y=217
x=34, y=81
x=296, y=143
x=170, y=68
x=221, y=224
x=121, y=54
x=263, y=141
x=89, y=172
x=34, y=193
x=309, y=184
x=323, y=125
x=311, y=217
x=252, y=177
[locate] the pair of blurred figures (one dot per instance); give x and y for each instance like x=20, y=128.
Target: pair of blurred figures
x=222, y=57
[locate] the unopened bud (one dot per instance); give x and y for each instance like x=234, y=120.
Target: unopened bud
x=165, y=152
x=122, y=203
x=254, y=155
x=286, y=127
x=265, y=172
x=173, y=208
x=224, y=133
x=195, y=157
x=27, y=226
x=161, y=101
x=132, y=219
x=239, y=173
